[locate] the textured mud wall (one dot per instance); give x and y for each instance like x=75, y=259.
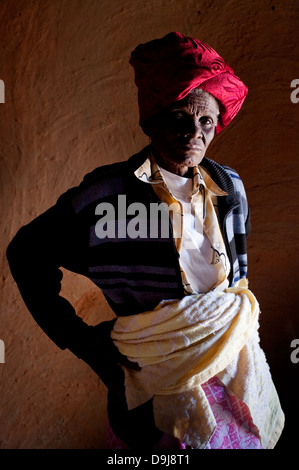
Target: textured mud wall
x=70, y=106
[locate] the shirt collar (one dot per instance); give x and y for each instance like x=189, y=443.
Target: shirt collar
x=149, y=172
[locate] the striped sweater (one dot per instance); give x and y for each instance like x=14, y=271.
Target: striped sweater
x=124, y=268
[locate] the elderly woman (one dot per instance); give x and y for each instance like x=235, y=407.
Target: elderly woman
x=182, y=361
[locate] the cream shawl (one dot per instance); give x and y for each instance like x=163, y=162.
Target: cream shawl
x=183, y=343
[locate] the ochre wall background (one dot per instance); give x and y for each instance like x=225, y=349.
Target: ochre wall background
x=71, y=106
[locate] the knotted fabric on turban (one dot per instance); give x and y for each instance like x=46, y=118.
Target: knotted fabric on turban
x=167, y=69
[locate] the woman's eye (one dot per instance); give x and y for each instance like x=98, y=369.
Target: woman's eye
x=176, y=116
x=207, y=121
x=172, y=119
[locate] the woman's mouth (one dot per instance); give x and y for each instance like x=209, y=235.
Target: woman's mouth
x=196, y=147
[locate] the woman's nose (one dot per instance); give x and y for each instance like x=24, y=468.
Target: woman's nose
x=193, y=130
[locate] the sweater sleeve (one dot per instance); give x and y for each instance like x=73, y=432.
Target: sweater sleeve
x=59, y=238
x=35, y=255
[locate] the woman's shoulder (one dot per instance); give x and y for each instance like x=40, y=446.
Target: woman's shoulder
x=115, y=170
x=103, y=182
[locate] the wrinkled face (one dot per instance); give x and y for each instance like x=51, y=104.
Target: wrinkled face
x=181, y=134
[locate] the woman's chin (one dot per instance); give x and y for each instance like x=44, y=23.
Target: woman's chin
x=189, y=157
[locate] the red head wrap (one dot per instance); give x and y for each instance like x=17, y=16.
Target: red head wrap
x=167, y=69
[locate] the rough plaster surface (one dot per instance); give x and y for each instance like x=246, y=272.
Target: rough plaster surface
x=71, y=106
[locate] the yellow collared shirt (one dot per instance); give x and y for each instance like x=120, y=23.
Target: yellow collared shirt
x=203, y=259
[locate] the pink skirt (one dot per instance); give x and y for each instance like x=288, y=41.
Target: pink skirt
x=235, y=429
